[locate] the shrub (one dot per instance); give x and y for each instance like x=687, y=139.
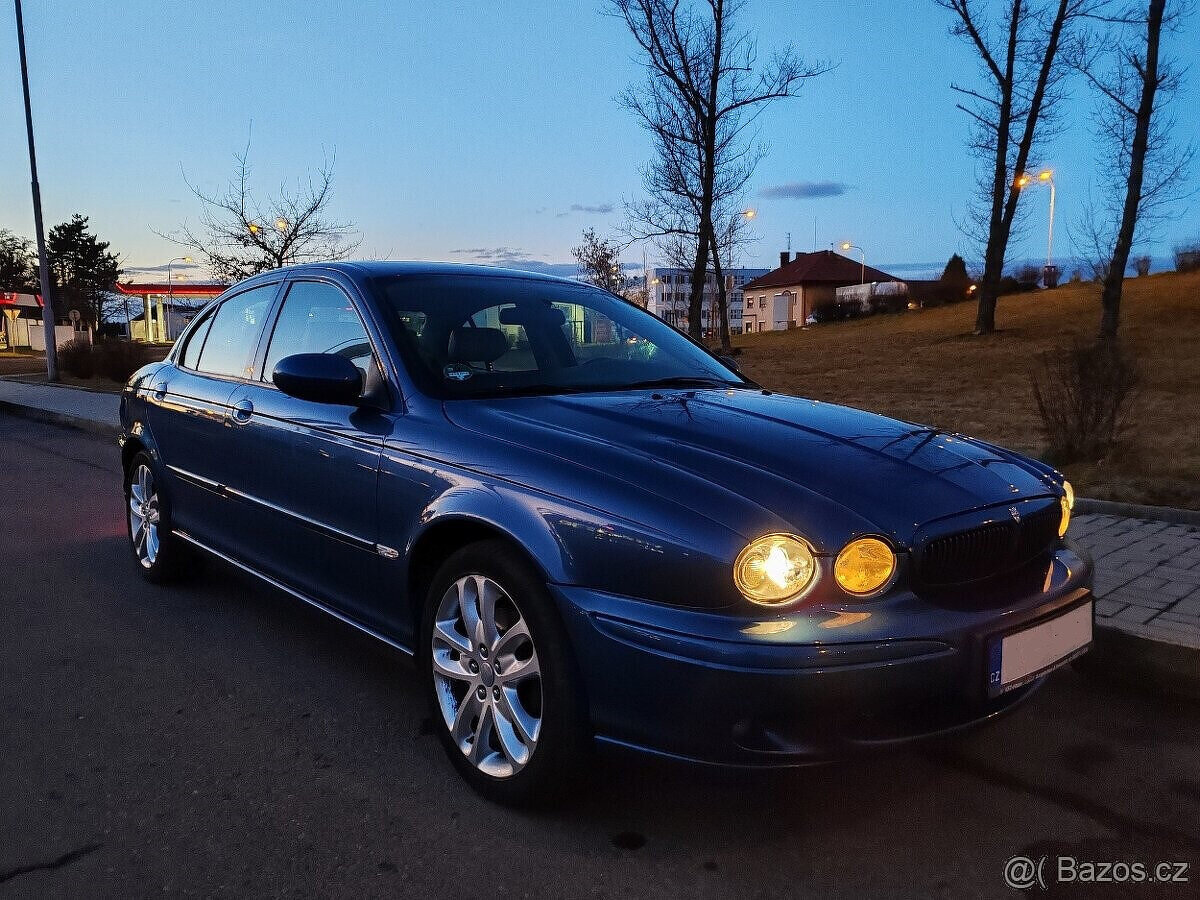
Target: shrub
x=1187, y=257
x=117, y=360
x=1084, y=394
x=76, y=357
x=1142, y=266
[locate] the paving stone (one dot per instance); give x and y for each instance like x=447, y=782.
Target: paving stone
x=1134, y=614
x=1108, y=607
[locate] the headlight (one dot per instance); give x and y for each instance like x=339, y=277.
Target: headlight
x=774, y=569
x=1069, y=493
x=864, y=566
x=1066, y=516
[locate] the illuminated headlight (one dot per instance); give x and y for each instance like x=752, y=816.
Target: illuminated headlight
x=864, y=566
x=774, y=569
x=1069, y=494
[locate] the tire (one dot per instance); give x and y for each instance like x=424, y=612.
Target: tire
x=518, y=735
x=159, y=555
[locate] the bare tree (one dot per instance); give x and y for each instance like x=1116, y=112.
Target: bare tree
x=1018, y=44
x=240, y=236
x=703, y=88
x=1134, y=84
x=600, y=262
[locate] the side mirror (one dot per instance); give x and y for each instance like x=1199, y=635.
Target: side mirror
x=319, y=377
x=729, y=361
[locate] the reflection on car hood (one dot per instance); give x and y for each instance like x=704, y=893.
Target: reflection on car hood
x=709, y=449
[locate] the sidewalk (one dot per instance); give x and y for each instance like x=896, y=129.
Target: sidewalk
x=1147, y=576
x=91, y=411
x=1147, y=571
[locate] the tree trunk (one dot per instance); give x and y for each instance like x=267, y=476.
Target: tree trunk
x=720, y=314
x=1114, y=278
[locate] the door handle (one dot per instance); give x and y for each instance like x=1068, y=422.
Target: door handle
x=242, y=410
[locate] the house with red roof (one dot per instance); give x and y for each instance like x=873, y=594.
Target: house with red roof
x=787, y=296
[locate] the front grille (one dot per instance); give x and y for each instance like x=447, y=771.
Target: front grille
x=986, y=550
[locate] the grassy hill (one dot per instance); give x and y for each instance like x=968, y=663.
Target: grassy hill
x=925, y=366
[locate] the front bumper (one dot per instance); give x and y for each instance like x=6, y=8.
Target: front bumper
x=807, y=685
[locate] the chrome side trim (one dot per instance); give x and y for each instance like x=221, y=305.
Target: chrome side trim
x=198, y=479
x=361, y=543
x=387, y=552
x=183, y=535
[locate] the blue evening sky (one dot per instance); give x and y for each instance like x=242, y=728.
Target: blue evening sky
x=489, y=130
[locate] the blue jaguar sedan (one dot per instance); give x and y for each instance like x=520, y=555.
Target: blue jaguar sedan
x=586, y=529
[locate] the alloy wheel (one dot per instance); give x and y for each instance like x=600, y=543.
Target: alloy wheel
x=486, y=676
x=143, y=516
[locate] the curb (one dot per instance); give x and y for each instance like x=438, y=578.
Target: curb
x=1140, y=661
x=1084, y=505
x=91, y=426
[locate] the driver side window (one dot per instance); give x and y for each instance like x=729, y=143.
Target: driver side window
x=318, y=318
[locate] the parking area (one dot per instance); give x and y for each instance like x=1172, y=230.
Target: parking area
x=221, y=739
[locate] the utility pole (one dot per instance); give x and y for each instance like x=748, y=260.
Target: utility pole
x=43, y=262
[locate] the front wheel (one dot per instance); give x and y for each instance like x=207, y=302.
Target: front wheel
x=505, y=696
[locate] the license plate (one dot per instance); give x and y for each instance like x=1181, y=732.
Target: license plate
x=1018, y=658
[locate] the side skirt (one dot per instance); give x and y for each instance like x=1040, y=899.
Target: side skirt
x=183, y=535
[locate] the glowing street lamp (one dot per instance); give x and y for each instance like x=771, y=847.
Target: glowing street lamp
x=846, y=245
x=1046, y=176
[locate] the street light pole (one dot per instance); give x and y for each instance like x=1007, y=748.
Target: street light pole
x=862, y=278
x=43, y=262
x=1048, y=177
x=165, y=325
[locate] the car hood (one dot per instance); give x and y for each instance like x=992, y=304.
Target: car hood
x=716, y=452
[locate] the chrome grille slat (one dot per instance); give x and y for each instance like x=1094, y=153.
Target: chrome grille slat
x=987, y=550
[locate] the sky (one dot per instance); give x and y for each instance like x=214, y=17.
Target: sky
x=490, y=131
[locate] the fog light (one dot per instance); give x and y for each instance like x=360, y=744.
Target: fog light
x=774, y=569
x=864, y=566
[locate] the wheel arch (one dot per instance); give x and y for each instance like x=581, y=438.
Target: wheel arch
x=443, y=537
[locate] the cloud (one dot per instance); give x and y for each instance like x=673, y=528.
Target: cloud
x=599, y=209
x=803, y=190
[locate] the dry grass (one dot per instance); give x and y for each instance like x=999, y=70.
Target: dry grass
x=925, y=366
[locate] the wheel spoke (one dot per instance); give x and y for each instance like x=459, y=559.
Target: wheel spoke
x=488, y=592
x=444, y=630
x=144, y=481
x=151, y=542
x=509, y=706
x=443, y=664
x=136, y=495
x=464, y=720
x=513, y=638
x=514, y=670
x=468, y=607
x=481, y=744
x=511, y=742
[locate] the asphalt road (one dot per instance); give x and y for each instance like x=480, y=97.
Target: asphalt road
x=222, y=739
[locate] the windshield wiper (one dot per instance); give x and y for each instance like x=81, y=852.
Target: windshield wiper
x=682, y=381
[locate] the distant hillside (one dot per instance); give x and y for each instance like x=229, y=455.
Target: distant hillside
x=925, y=366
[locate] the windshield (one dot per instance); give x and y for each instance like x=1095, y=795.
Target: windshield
x=489, y=336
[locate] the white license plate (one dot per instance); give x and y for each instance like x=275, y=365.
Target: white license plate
x=1016, y=659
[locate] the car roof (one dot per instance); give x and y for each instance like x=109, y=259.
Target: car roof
x=378, y=268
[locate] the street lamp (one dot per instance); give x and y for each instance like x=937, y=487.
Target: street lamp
x=1046, y=176
x=846, y=245
x=165, y=324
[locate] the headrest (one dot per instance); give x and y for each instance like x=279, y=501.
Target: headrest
x=550, y=316
x=484, y=345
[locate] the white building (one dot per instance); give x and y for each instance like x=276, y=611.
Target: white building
x=671, y=288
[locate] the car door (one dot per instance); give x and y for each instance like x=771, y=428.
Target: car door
x=189, y=413
x=309, y=470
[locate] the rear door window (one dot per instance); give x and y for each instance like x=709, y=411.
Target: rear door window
x=195, y=343
x=234, y=332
